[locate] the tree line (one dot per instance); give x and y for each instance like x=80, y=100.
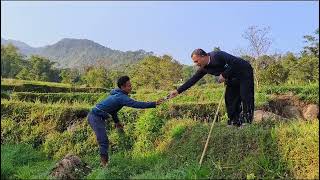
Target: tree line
x=164, y=72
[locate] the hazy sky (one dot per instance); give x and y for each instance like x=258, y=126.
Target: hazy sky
x=174, y=28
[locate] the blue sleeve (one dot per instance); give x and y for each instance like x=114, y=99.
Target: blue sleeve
x=195, y=78
x=136, y=104
x=115, y=117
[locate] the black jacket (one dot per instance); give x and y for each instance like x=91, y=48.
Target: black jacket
x=220, y=63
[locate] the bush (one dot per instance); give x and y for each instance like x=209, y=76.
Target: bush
x=309, y=93
x=90, y=98
x=5, y=95
x=298, y=144
x=196, y=111
x=49, y=89
x=147, y=130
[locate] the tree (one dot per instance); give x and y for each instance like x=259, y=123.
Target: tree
x=97, y=77
x=70, y=76
x=216, y=48
x=264, y=61
x=157, y=72
x=248, y=58
x=313, y=47
x=187, y=72
x=289, y=62
x=42, y=69
x=11, y=61
x=274, y=74
x=259, y=43
x=307, y=69
x=118, y=71
x=24, y=74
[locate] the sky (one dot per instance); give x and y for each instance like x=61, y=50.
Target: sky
x=175, y=28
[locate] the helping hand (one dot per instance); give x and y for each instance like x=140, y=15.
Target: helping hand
x=221, y=79
x=173, y=94
x=160, y=101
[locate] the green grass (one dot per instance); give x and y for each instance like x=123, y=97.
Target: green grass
x=161, y=143
x=21, y=161
x=260, y=151
x=251, y=152
x=13, y=85
x=21, y=82
x=87, y=98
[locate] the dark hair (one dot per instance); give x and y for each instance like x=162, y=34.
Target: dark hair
x=199, y=52
x=122, y=81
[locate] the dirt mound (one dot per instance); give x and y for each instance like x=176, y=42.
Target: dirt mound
x=70, y=167
x=260, y=115
x=311, y=111
x=290, y=107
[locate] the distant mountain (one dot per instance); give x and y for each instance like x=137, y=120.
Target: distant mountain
x=23, y=47
x=80, y=52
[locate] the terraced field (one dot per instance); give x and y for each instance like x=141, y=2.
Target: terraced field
x=42, y=122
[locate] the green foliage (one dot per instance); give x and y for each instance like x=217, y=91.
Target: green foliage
x=97, y=77
x=45, y=87
x=298, y=144
x=156, y=73
x=161, y=143
x=23, y=162
x=14, y=65
x=41, y=69
x=313, y=47
x=5, y=95
x=31, y=122
x=188, y=71
x=70, y=76
x=147, y=130
x=196, y=111
x=90, y=98
x=165, y=142
x=274, y=74
x=264, y=61
x=308, y=93
x=216, y=49
x=11, y=61
x=306, y=70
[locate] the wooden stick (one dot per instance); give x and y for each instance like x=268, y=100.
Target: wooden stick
x=209, y=135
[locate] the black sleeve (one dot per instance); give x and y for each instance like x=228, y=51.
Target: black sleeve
x=228, y=65
x=195, y=78
x=228, y=70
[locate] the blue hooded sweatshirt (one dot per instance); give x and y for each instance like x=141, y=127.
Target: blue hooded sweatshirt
x=113, y=103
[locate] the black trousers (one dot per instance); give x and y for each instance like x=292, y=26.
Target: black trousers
x=239, y=98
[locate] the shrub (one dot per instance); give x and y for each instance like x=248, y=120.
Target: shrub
x=90, y=98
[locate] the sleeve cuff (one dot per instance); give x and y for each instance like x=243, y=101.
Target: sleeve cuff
x=224, y=75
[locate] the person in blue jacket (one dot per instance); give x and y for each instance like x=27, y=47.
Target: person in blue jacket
x=238, y=77
x=110, y=107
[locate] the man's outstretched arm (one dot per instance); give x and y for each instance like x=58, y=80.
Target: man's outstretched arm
x=140, y=105
x=195, y=78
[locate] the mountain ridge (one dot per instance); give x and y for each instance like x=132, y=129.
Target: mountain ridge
x=76, y=53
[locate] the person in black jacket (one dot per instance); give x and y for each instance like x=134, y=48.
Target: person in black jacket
x=238, y=77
